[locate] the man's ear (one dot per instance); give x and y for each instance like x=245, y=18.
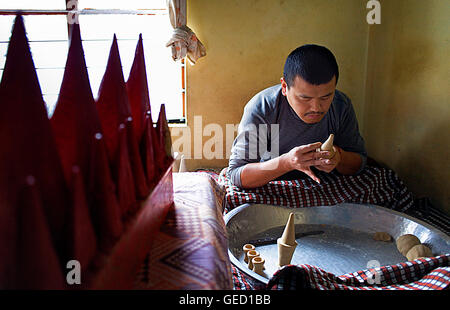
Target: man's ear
x=284, y=86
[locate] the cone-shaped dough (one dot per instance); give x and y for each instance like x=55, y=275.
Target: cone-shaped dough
x=286, y=243
x=285, y=252
x=182, y=164
x=328, y=145
x=288, y=236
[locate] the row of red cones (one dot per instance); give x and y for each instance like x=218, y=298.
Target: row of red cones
x=69, y=185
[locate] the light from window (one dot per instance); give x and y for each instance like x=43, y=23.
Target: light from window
x=48, y=37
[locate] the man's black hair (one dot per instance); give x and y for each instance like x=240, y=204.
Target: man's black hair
x=314, y=63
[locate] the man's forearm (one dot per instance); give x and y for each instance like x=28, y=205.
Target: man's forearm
x=258, y=174
x=350, y=162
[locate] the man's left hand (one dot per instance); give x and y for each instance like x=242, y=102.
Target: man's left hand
x=329, y=164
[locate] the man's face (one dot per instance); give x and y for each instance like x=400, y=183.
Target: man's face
x=310, y=102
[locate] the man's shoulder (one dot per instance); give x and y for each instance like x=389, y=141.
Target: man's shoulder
x=341, y=97
x=265, y=100
x=341, y=103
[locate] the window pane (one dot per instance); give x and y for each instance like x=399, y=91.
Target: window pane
x=46, y=27
x=121, y=4
x=33, y=4
x=50, y=80
x=6, y=22
x=43, y=58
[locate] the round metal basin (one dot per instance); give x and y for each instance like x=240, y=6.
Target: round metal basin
x=338, y=239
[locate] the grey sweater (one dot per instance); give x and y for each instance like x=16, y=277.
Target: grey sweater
x=270, y=127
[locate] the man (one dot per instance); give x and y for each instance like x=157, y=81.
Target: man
x=283, y=125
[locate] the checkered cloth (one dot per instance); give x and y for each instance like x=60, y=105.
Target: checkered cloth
x=431, y=273
x=374, y=185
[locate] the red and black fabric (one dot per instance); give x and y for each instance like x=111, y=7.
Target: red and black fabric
x=114, y=109
x=37, y=265
x=374, y=185
x=27, y=145
x=75, y=123
x=431, y=273
x=81, y=241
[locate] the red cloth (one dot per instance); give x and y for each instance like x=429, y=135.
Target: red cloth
x=137, y=89
x=27, y=143
x=36, y=265
x=124, y=177
x=149, y=152
x=82, y=241
x=106, y=214
x=75, y=123
x=138, y=96
x=114, y=109
x=164, y=139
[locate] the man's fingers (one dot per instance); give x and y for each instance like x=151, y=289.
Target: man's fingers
x=311, y=175
x=314, y=162
x=309, y=147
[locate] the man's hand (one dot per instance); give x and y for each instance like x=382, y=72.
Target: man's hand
x=303, y=157
x=331, y=163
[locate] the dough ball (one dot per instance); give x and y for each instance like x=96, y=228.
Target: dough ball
x=406, y=242
x=382, y=236
x=419, y=251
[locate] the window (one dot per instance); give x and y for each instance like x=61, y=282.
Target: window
x=46, y=25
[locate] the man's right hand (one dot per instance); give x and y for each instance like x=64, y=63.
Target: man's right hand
x=302, y=157
x=299, y=158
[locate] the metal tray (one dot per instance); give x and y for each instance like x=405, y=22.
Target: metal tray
x=338, y=239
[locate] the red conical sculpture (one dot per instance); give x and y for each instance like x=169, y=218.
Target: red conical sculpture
x=27, y=146
x=77, y=130
x=138, y=95
x=148, y=151
x=114, y=109
x=37, y=265
x=137, y=89
x=106, y=213
x=164, y=138
x=82, y=242
x=125, y=182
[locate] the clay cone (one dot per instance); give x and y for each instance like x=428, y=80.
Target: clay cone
x=286, y=243
x=328, y=145
x=258, y=265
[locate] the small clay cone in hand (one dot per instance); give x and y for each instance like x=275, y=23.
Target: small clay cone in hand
x=287, y=243
x=328, y=146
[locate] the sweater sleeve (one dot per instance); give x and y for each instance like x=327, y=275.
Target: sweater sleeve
x=251, y=141
x=350, y=139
